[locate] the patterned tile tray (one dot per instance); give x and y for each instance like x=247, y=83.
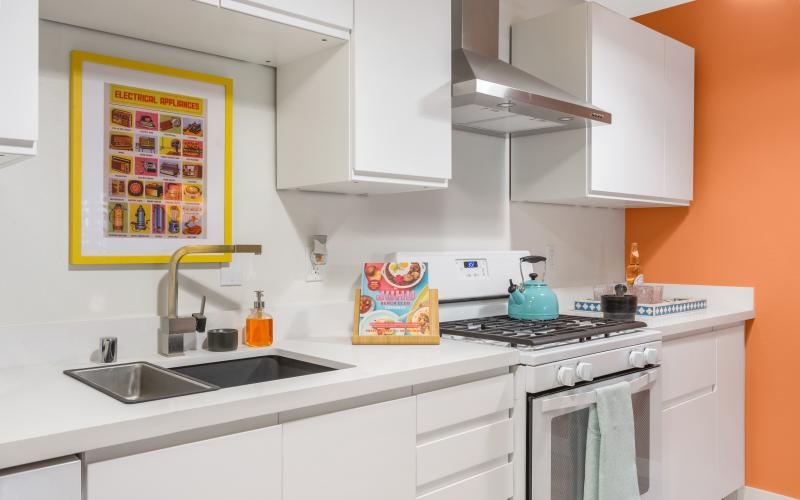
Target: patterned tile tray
x=673, y=306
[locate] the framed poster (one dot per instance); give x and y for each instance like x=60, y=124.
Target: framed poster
x=150, y=161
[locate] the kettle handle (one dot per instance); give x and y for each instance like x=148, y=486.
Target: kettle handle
x=532, y=259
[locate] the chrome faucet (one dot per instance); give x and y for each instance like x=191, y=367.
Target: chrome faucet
x=170, y=336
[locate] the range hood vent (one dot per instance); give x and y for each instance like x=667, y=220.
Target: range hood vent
x=493, y=97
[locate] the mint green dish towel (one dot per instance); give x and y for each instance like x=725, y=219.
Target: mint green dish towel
x=611, y=447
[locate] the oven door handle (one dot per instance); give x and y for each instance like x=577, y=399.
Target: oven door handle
x=590, y=397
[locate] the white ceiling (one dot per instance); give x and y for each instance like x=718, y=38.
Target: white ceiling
x=633, y=8
x=525, y=9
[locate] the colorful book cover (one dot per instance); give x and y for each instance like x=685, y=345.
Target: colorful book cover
x=394, y=299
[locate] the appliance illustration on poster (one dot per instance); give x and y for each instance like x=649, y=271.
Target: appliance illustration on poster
x=133, y=113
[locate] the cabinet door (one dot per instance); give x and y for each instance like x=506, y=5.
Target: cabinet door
x=690, y=449
x=244, y=466
x=679, y=133
x=19, y=92
x=627, y=156
x=359, y=454
x=730, y=416
x=338, y=13
x=401, y=89
x=58, y=479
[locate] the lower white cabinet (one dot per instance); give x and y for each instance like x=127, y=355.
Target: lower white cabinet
x=689, y=448
x=58, y=479
x=703, y=416
x=244, y=466
x=364, y=453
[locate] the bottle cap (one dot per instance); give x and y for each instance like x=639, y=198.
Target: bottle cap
x=259, y=303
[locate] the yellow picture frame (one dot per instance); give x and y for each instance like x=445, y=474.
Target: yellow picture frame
x=77, y=60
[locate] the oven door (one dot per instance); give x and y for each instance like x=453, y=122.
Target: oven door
x=557, y=424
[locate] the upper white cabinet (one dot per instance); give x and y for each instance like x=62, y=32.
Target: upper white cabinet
x=271, y=32
x=372, y=116
x=643, y=78
x=359, y=454
x=244, y=466
x=19, y=87
x=330, y=17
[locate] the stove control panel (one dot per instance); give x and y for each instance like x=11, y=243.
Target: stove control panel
x=468, y=274
x=472, y=268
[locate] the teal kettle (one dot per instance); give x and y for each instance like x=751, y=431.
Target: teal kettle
x=532, y=299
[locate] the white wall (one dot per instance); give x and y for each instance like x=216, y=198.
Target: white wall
x=38, y=285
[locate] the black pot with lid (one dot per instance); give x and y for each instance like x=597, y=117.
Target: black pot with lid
x=620, y=305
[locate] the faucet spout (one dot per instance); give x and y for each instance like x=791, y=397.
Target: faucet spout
x=171, y=337
x=174, y=261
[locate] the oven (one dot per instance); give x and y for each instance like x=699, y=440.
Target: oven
x=556, y=436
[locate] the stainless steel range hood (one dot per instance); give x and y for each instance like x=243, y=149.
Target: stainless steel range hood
x=493, y=97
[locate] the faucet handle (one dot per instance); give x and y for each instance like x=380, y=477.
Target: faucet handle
x=108, y=349
x=200, y=317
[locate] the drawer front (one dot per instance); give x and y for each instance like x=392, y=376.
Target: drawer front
x=495, y=484
x=444, y=457
x=690, y=368
x=451, y=406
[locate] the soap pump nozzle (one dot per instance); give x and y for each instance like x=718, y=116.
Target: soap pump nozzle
x=259, y=303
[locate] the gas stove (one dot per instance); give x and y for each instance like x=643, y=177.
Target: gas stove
x=564, y=330
x=562, y=362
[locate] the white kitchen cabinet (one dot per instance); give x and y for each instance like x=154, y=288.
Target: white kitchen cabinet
x=329, y=17
x=643, y=78
x=246, y=30
x=372, y=116
x=730, y=413
x=19, y=87
x=465, y=441
x=689, y=448
x=244, y=466
x=703, y=417
x=58, y=479
x=358, y=454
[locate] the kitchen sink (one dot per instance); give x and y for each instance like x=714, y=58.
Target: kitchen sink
x=245, y=371
x=139, y=382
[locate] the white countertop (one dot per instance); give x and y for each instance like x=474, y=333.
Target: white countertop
x=46, y=414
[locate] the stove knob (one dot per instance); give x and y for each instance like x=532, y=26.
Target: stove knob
x=584, y=372
x=637, y=359
x=651, y=355
x=566, y=376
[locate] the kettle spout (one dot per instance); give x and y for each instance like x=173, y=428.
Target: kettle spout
x=517, y=297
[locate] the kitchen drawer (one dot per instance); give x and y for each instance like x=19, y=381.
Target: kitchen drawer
x=454, y=405
x=495, y=484
x=690, y=368
x=444, y=457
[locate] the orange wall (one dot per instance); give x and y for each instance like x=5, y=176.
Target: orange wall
x=744, y=225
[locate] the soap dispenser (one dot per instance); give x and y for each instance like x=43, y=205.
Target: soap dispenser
x=258, y=328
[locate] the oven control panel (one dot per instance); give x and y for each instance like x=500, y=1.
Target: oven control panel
x=463, y=275
x=472, y=268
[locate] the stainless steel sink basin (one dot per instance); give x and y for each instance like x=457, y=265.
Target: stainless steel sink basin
x=139, y=382
x=246, y=371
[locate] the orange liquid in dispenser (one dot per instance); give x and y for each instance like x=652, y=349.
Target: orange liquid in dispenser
x=258, y=331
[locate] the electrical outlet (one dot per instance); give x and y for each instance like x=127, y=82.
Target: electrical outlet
x=550, y=251
x=230, y=273
x=314, y=272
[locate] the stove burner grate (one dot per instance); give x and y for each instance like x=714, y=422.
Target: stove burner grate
x=537, y=333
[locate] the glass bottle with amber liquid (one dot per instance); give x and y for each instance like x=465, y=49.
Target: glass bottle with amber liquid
x=258, y=328
x=634, y=270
